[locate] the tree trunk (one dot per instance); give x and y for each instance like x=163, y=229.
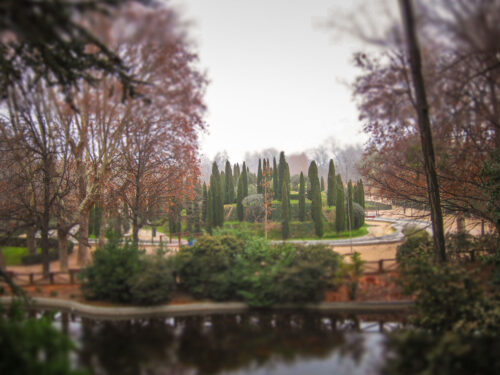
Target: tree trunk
x=135, y=229
x=3, y=265
x=62, y=237
x=44, y=244
x=31, y=240
x=102, y=229
x=425, y=130
x=83, y=238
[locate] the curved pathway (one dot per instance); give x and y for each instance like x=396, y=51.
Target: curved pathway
x=397, y=236
x=203, y=308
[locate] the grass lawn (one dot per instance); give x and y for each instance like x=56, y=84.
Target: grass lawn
x=14, y=254
x=298, y=231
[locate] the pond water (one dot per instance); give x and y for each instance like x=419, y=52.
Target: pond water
x=253, y=343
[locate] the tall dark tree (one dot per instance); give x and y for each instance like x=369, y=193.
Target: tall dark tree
x=332, y=186
x=316, y=204
x=209, y=219
x=204, y=203
x=340, y=217
x=424, y=125
x=229, y=185
x=259, y=177
x=302, y=198
x=285, y=211
x=275, y=179
x=223, y=186
x=244, y=177
x=236, y=174
x=239, y=200
x=218, y=203
x=349, y=206
x=281, y=172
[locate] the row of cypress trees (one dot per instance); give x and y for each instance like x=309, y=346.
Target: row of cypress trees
x=221, y=190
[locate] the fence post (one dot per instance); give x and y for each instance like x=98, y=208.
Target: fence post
x=381, y=266
x=32, y=278
x=51, y=277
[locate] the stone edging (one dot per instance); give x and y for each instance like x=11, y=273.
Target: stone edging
x=202, y=308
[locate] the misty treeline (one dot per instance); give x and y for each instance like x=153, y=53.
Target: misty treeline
x=68, y=149
x=461, y=70
x=346, y=159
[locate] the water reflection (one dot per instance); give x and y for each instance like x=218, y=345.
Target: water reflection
x=253, y=343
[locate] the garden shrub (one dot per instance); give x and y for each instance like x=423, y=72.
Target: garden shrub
x=124, y=274
x=285, y=273
x=107, y=277
x=417, y=241
x=155, y=284
x=206, y=269
x=359, y=215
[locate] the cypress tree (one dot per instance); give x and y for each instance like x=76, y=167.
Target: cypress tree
x=332, y=185
x=196, y=216
x=340, y=207
x=287, y=176
x=302, y=198
x=229, y=185
x=218, y=203
x=322, y=184
x=350, y=211
x=316, y=209
x=222, y=185
x=285, y=212
x=259, y=178
x=236, y=174
x=209, y=221
x=204, y=203
x=244, y=176
x=361, y=194
x=239, y=200
x=275, y=179
x=281, y=172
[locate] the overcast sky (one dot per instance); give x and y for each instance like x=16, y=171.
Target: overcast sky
x=277, y=79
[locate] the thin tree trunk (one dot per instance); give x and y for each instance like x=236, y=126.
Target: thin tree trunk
x=3, y=265
x=83, y=238
x=102, y=229
x=31, y=240
x=44, y=244
x=62, y=237
x=425, y=130
x=135, y=229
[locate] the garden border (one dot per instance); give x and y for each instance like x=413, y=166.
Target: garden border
x=203, y=308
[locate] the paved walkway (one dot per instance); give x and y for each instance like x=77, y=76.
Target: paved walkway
x=202, y=308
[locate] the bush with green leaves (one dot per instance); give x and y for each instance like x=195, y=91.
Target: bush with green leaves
x=251, y=269
x=359, y=215
x=107, y=277
x=416, y=242
x=284, y=274
x=155, y=284
x=124, y=274
x=206, y=269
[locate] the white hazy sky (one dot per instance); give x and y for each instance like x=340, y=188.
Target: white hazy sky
x=277, y=79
